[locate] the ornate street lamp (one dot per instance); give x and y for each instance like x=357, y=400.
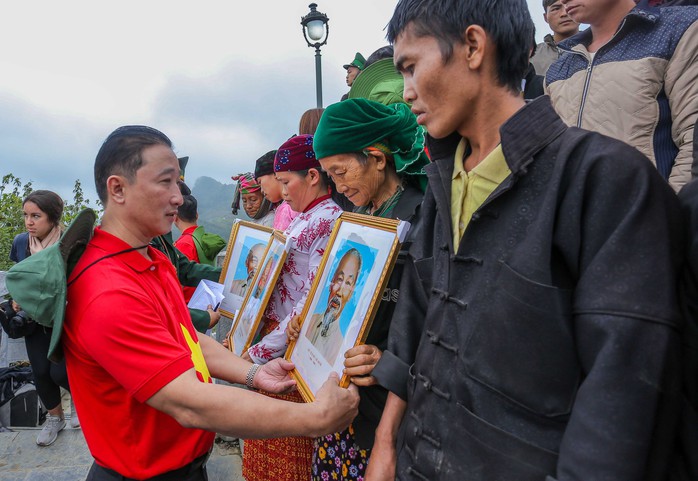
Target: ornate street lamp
x=316, y=30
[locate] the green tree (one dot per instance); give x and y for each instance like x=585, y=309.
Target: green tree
x=70, y=211
x=12, y=192
x=11, y=218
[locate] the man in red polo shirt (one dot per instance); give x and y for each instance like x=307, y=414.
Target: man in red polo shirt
x=139, y=372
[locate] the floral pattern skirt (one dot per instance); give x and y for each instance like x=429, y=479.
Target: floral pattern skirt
x=337, y=457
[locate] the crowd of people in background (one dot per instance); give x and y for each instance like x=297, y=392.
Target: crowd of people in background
x=545, y=317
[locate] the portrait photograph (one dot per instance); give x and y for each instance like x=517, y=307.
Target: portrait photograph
x=247, y=246
x=343, y=298
x=248, y=321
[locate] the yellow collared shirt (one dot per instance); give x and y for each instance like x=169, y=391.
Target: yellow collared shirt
x=470, y=189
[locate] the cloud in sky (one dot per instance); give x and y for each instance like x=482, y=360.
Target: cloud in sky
x=227, y=81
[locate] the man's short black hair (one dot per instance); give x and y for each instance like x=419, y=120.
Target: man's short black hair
x=507, y=22
x=547, y=3
x=187, y=211
x=120, y=154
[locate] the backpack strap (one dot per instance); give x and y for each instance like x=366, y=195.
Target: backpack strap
x=113, y=254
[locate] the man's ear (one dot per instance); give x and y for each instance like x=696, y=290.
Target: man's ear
x=116, y=188
x=545, y=17
x=475, y=39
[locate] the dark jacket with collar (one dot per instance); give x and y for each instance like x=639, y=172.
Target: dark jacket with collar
x=540, y=345
x=372, y=398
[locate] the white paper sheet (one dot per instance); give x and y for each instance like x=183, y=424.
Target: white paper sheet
x=206, y=293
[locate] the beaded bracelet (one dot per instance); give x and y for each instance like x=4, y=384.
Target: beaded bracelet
x=251, y=374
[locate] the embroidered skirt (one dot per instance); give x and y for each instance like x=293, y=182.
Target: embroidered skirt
x=282, y=459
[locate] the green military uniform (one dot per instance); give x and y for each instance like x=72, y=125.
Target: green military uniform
x=189, y=274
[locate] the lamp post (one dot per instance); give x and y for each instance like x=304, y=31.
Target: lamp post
x=316, y=30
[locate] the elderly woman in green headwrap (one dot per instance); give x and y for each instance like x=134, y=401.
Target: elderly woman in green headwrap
x=374, y=153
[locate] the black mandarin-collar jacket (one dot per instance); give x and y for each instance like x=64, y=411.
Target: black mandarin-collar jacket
x=539, y=347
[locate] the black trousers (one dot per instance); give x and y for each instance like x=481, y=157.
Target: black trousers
x=49, y=377
x=194, y=471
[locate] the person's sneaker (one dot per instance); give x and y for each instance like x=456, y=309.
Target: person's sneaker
x=74, y=420
x=49, y=433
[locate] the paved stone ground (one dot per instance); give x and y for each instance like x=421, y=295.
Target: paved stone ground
x=69, y=460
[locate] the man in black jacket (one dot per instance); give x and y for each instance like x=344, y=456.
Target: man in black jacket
x=538, y=312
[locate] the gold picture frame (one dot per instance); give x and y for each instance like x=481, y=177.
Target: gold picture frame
x=248, y=321
x=343, y=298
x=247, y=244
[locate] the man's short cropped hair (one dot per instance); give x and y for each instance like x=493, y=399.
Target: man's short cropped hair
x=187, y=211
x=120, y=154
x=547, y=3
x=507, y=22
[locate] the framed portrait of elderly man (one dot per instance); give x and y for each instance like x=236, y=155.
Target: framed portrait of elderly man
x=248, y=321
x=344, y=297
x=246, y=247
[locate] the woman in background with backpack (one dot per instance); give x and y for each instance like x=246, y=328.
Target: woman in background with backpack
x=43, y=210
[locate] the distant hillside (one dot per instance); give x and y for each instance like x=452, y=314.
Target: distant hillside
x=214, y=199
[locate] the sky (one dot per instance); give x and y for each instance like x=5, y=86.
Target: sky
x=227, y=81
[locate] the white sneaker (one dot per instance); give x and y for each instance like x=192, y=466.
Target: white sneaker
x=49, y=433
x=74, y=420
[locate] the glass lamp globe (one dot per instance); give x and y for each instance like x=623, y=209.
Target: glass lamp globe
x=316, y=29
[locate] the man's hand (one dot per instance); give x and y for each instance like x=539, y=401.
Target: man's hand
x=225, y=341
x=273, y=377
x=359, y=363
x=215, y=316
x=293, y=330
x=336, y=406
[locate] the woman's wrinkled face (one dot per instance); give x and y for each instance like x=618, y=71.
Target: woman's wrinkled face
x=359, y=182
x=36, y=221
x=252, y=202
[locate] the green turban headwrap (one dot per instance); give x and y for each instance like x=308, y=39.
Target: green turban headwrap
x=354, y=124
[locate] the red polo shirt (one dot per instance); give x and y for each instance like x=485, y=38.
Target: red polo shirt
x=127, y=334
